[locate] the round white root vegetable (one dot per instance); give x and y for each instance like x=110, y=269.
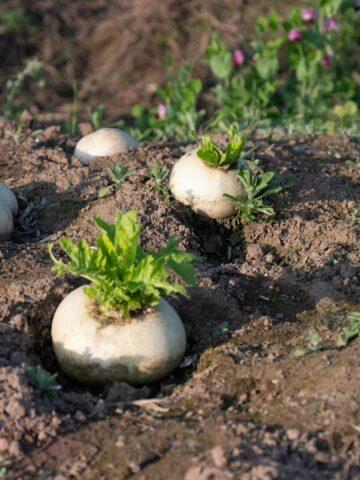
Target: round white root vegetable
x=103, y=142
x=6, y=222
x=142, y=350
x=7, y=196
x=194, y=183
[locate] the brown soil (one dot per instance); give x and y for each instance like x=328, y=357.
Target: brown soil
x=241, y=405
x=116, y=51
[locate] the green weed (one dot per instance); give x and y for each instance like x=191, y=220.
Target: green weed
x=118, y=173
x=42, y=380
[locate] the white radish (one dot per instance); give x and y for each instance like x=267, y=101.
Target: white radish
x=202, y=187
x=103, y=142
x=143, y=349
x=6, y=222
x=7, y=196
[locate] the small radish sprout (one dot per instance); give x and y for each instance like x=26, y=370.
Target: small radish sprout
x=42, y=380
x=160, y=174
x=257, y=185
x=118, y=173
x=215, y=156
x=201, y=177
x=103, y=142
x=119, y=328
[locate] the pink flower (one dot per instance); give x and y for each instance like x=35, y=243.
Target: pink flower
x=330, y=23
x=327, y=60
x=294, y=35
x=308, y=15
x=357, y=5
x=238, y=58
x=161, y=111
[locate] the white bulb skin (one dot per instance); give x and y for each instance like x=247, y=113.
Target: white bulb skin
x=202, y=187
x=139, y=351
x=8, y=197
x=6, y=222
x=103, y=142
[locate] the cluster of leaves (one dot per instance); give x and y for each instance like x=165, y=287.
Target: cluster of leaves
x=118, y=173
x=258, y=185
x=215, y=156
x=124, y=277
x=42, y=380
x=159, y=174
x=179, y=100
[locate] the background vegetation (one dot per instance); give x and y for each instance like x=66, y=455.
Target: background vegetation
x=188, y=66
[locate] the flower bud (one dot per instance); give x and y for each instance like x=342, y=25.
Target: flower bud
x=294, y=35
x=327, y=60
x=161, y=111
x=308, y=15
x=238, y=58
x=330, y=24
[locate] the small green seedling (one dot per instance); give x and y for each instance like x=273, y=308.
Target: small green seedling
x=123, y=277
x=160, y=174
x=118, y=173
x=351, y=332
x=71, y=125
x=314, y=344
x=258, y=185
x=96, y=116
x=42, y=380
x=14, y=86
x=215, y=156
x=355, y=215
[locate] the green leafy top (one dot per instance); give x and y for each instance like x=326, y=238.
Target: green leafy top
x=215, y=156
x=123, y=277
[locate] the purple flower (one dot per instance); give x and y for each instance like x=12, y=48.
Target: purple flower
x=330, y=23
x=161, y=111
x=357, y=5
x=294, y=35
x=327, y=60
x=238, y=58
x=308, y=15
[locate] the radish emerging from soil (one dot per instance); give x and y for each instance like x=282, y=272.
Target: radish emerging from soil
x=8, y=209
x=7, y=196
x=6, y=222
x=103, y=142
x=201, y=177
x=119, y=328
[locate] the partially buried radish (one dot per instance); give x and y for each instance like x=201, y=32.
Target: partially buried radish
x=8, y=209
x=201, y=177
x=103, y=142
x=119, y=328
x=8, y=197
x=6, y=222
